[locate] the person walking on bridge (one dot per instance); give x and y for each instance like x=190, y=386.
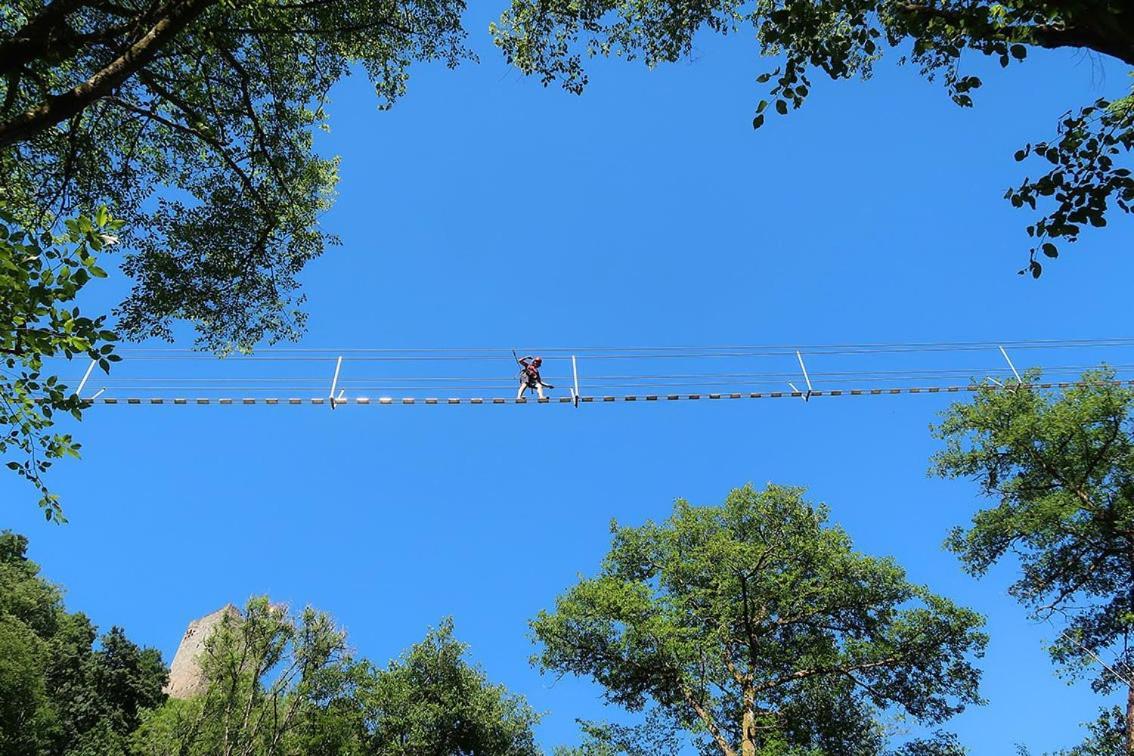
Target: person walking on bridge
x=530, y=377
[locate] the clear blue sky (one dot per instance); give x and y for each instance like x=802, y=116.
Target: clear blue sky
x=487, y=210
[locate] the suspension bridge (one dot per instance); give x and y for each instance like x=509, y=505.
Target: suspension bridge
x=337, y=377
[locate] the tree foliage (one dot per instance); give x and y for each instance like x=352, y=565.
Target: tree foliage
x=40, y=278
x=270, y=677
x=60, y=692
x=1079, y=182
x=1106, y=736
x=431, y=701
x=756, y=628
x=1060, y=469
x=194, y=121
x=212, y=105
x=283, y=684
x=276, y=683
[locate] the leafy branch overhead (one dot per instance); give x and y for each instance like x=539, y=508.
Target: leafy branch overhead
x=39, y=280
x=844, y=39
x=194, y=121
x=110, y=102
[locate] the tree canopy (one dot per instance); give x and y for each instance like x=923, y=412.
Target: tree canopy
x=288, y=684
x=756, y=628
x=60, y=692
x=276, y=682
x=1080, y=177
x=432, y=701
x=1060, y=469
x=194, y=120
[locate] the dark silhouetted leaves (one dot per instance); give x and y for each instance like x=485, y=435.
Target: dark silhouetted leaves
x=844, y=39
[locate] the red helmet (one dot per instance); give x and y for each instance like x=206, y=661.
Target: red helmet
x=537, y=361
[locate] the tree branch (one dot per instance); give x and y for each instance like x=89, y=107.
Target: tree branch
x=37, y=36
x=315, y=31
x=710, y=723
x=802, y=674
x=173, y=19
x=250, y=108
x=217, y=147
x=1112, y=41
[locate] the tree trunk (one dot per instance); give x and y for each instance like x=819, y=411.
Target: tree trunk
x=748, y=726
x=1130, y=721
x=1125, y=644
x=60, y=107
x=747, y=742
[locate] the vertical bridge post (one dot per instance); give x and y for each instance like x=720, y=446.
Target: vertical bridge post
x=335, y=381
x=86, y=376
x=806, y=377
x=575, y=373
x=1008, y=359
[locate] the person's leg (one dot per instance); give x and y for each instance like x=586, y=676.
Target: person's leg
x=520, y=393
x=539, y=389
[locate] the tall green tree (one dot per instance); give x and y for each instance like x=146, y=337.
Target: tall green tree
x=60, y=692
x=756, y=628
x=431, y=701
x=284, y=684
x=1059, y=469
x=1080, y=176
